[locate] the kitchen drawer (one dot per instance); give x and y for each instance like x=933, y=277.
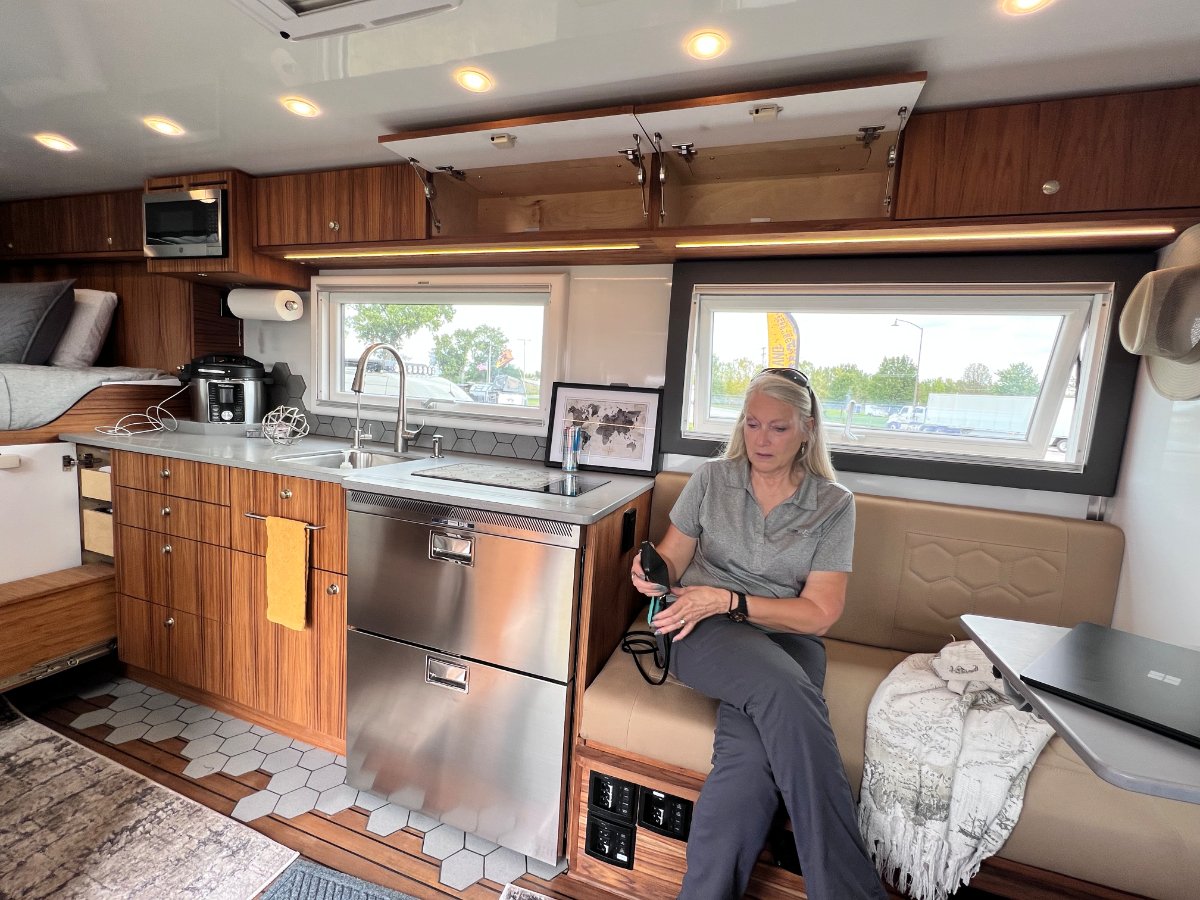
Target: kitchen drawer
x=175, y=516
x=314, y=502
x=184, y=575
x=177, y=477
x=172, y=643
x=98, y=531
x=95, y=485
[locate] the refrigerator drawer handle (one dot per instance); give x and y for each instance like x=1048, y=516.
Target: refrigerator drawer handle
x=445, y=674
x=452, y=548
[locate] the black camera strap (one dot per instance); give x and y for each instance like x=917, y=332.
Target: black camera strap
x=645, y=643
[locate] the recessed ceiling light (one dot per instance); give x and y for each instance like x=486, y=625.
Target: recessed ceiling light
x=55, y=142
x=301, y=107
x=1021, y=7
x=474, y=80
x=163, y=125
x=707, y=44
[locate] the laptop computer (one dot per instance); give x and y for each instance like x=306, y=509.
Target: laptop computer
x=1143, y=681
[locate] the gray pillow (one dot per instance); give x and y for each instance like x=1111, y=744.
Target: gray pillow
x=81, y=342
x=32, y=319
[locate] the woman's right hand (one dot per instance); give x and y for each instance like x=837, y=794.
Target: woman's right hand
x=638, y=577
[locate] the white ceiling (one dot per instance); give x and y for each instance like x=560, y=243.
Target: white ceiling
x=90, y=69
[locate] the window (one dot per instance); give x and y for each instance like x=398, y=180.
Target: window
x=994, y=370
x=939, y=371
x=477, y=350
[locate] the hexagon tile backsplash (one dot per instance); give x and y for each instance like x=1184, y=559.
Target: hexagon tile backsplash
x=287, y=389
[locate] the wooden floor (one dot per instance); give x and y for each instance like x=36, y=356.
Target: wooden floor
x=339, y=841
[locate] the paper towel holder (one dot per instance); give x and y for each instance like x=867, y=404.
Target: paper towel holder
x=225, y=311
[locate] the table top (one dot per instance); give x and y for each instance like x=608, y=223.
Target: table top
x=1124, y=754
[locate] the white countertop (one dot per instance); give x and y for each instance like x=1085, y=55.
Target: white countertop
x=396, y=479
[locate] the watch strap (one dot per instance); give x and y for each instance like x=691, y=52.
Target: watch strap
x=739, y=613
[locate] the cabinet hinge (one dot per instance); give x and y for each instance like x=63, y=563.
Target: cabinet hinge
x=68, y=462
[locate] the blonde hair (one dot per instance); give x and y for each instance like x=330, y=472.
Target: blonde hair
x=813, y=455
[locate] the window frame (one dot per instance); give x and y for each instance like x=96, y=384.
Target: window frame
x=328, y=351
x=1117, y=369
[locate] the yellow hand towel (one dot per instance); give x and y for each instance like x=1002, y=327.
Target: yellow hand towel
x=287, y=573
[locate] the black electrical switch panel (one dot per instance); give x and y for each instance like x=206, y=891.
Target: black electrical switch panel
x=609, y=841
x=665, y=814
x=615, y=798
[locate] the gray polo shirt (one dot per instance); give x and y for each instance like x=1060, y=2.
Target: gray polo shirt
x=740, y=549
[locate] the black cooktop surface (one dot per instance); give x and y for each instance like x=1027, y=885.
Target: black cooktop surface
x=541, y=481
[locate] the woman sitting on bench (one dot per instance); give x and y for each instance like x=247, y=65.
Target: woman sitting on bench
x=761, y=541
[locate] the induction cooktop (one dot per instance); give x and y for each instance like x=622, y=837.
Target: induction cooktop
x=562, y=484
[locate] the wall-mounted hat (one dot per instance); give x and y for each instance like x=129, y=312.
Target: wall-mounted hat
x=1161, y=321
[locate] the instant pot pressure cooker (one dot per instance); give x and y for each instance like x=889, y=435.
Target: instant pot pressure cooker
x=226, y=388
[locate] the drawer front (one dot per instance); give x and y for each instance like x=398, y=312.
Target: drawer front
x=188, y=576
x=314, y=502
x=175, y=516
x=177, y=477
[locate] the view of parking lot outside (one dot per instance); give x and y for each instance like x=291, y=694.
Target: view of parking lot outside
x=978, y=374
x=453, y=352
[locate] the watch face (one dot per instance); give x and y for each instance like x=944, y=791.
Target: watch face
x=738, y=616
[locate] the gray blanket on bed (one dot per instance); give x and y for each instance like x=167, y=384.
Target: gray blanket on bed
x=34, y=395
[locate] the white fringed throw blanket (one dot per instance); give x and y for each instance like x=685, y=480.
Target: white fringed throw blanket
x=947, y=758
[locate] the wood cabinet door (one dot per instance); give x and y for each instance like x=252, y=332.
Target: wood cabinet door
x=287, y=210
x=314, y=502
x=141, y=638
x=196, y=653
x=83, y=218
x=175, y=516
x=327, y=596
x=123, y=221
x=33, y=231
x=376, y=203
x=7, y=246
x=968, y=162
x=252, y=662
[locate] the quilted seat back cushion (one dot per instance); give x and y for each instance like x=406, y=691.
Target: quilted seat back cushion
x=33, y=318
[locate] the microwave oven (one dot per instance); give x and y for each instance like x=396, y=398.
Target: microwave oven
x=185, y=223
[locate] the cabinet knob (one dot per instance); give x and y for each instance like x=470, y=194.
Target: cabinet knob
x=333, y=590
x=170, y=623
x=165, y=511
x=166, y=549
x=1050, y=187
x=285, y=494
x=335, y=226
x=108, y=241
x=164, y=473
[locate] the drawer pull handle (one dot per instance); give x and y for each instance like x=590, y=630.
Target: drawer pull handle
x=166, y=549
x=452, y=548
x=164, y=473
x=1051, y=187
x=333, y=590
x=165, y=511
x=285, y=494
x=446, y=674
x=170, y=622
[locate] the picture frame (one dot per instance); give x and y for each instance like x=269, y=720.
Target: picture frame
x=620, y=427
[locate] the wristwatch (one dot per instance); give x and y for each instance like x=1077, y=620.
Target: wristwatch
x=739, y=613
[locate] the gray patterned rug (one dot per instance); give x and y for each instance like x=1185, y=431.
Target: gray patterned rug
x=306, y=880
x=74, y=824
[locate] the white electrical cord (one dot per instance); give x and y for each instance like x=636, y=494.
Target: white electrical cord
x=155, y=418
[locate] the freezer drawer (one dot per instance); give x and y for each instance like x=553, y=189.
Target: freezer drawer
x=477, y=747
x=504, y=600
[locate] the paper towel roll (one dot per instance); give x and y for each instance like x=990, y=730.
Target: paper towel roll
x=275, y=306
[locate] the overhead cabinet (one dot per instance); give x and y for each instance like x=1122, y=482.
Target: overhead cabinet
x=377, y=203
x=102, y=225
x=1133, y=151
x=812, y=153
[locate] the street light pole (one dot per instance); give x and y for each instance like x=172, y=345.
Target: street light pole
x=920, y=344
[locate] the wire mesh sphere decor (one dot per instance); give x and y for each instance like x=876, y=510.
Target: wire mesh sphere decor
x=284, y=425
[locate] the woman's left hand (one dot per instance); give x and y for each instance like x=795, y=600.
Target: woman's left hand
x=692, y=604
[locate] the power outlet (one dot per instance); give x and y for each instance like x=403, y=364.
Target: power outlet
x=609, y=841
x=665, y=814
x=615, y=798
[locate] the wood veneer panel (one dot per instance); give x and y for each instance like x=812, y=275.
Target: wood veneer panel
x=329, y=623
x=141, y=640
x=177, y=477
x=305, y=499
x=192, y=577
x=101, y=406
x=184, y=518
x=51, y=615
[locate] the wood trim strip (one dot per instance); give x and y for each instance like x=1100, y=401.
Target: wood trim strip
x=103, y=405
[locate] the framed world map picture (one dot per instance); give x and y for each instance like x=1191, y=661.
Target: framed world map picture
x=619, y=427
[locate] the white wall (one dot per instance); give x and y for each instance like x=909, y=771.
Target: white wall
x=1157, y=501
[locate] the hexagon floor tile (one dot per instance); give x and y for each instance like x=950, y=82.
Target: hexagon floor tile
x=303, y=777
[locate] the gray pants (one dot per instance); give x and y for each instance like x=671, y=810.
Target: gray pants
x=773, y=737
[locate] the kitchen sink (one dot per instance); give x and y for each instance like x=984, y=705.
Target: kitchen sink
x=333, y=459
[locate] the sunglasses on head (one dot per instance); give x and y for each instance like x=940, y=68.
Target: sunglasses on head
x=793, y=375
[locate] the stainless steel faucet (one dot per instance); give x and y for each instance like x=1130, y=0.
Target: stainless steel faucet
x=403, y=435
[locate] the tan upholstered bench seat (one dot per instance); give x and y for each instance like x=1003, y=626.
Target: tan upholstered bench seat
x=918, y=566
